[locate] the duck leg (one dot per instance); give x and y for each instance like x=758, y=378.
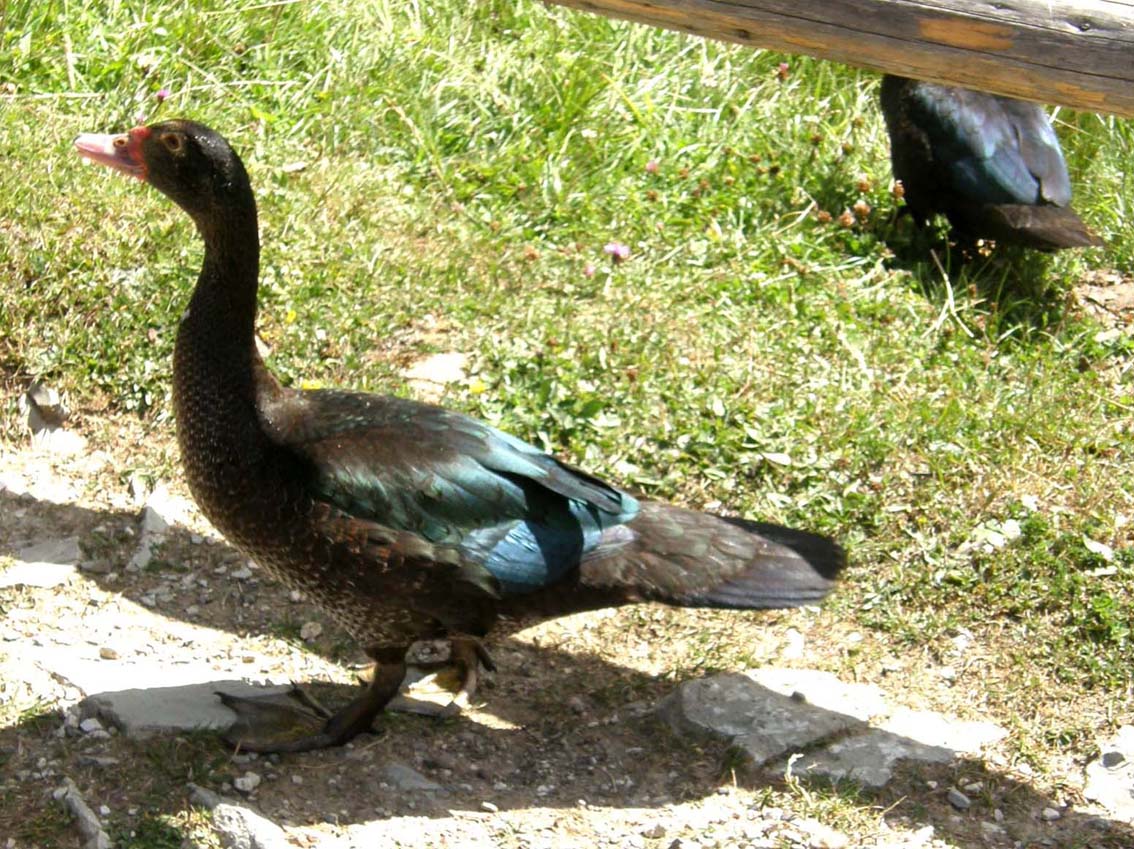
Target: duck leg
x=295, y=722
x=466, y=656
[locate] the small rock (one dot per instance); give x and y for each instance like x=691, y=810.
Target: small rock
x=310, y=631
x=991, y=830
x=202, y=797
x=96, y=567
x=405, y=778
x=90, y=725
x=107, y=653
x=86, y=821
x=490, y=807
x=248, y=782
x=1050, y=815
x=153, y=522
x=240, y=827
x=577, y=704
x=1110, y=779
x=242, y=574
x=958, y=799
x=654, y=832
x=45, y=409
x=795, y=645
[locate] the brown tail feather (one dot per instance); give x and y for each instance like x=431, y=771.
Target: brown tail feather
x=702, y=560
x=1043, y=227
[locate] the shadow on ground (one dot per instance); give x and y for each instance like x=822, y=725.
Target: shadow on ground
x=559, y=730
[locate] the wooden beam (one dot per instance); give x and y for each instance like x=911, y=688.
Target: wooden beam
x=1077, y=53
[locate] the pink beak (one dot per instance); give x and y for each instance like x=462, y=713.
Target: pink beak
x=121, y=152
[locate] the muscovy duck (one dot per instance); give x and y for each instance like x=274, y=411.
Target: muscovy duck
x=992, y=164
x=403, y=520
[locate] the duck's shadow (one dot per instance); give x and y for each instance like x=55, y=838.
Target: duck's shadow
x=1004, y=285
x=557, y=730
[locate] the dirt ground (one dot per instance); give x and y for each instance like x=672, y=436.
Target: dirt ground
x=563, y=749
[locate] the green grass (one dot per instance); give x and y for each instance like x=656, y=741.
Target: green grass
x=464, y=164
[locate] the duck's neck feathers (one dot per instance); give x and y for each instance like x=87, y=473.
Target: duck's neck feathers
x=216, y=369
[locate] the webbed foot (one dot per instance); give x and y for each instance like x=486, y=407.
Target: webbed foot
x=295, y=722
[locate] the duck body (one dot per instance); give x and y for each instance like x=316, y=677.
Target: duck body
x=404, y=520
x=992, y=165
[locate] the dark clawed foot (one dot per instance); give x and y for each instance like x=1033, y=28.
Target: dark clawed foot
x=296, y=722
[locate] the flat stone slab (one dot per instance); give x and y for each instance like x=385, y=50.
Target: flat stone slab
x=142, y=713
x=407, y=778
x=763, y=723
x=48, y=563
x=937, y=730
x=83, y=668
x=844, y=731
x=1110, y=778
x=824, y=690
x=868, y=758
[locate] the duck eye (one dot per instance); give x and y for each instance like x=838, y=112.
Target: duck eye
x=172, y=141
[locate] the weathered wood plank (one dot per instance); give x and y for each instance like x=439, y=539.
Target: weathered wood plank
x=1077, y=54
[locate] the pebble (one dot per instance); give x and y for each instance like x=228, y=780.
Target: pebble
x=958, y=799
x=310, y=630
x=795, y=646
x=490, y=807
x=991, y=830
x=86, y=821
x=654, y=832
x=107, y=653
x=1050, y=815
x=90, y=725
x=1112, y=759
x=248, y=782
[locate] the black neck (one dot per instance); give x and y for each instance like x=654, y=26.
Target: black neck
x=222, y=311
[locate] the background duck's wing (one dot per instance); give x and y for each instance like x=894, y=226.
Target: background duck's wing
x=984, y=143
